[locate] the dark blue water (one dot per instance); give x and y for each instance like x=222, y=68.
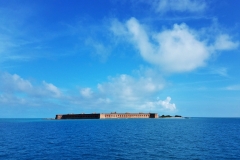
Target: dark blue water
x=195, y=138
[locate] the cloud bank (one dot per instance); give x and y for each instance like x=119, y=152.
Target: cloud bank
x=125, y=92
x=120, y=93
x=15, y=90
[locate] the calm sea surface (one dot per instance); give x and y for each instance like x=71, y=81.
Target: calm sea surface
x=194, y=138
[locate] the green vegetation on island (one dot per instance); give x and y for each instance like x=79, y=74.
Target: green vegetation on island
x=168, y=116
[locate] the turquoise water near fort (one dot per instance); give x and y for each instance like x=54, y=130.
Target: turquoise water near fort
x=194, y=138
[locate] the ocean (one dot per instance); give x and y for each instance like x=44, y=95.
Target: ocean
x=194, y=138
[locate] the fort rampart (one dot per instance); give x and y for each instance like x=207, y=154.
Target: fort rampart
x=106, y=115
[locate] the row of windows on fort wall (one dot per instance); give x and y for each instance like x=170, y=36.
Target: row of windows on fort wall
x=127, y=116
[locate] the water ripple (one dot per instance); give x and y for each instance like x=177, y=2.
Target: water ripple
x=196, y=138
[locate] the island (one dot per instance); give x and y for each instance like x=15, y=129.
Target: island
x=168, y=116
x=106, y=115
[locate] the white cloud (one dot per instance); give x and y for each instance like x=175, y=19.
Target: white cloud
x=11, y=83
x=223, y=42
x=166, y=104
x=130, y=89
x=12, y=33
x=16, y=90
x=86, y=92
x=98, y=49
x=117, y=28
x=179, y=49
x=135, y=93
x=53, y=90
x=7, y=100
x=220, y=71
x=103, y=100
x=233, y=88
x=179, y=5
x=160, y=104
x=125, y=93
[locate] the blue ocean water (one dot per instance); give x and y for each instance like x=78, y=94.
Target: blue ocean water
x=194, y=138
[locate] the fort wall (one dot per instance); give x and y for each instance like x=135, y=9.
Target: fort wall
x=106, y=115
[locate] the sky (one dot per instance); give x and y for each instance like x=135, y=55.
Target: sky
x=165, y=56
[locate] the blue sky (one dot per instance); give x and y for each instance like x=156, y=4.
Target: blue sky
x=165, y=56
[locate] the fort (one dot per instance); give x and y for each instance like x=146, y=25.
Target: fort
x=106, y=115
